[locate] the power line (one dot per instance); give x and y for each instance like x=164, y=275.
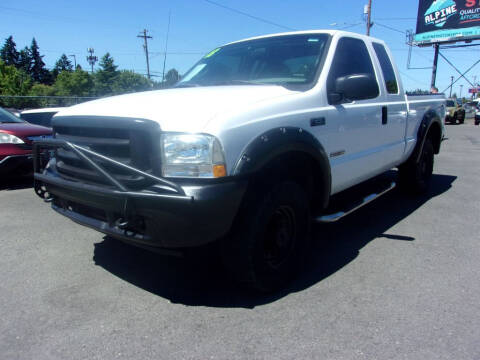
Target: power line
x=349, y=26
x=390, y=28
x=413, y=79
x=398, y=18
x=249, y=15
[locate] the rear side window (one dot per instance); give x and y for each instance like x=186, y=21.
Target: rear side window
x=387, y=68
x=351, y=58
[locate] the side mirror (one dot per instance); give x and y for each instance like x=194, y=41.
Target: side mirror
x=354, y=87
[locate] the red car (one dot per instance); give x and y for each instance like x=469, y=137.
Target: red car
x=16, y=137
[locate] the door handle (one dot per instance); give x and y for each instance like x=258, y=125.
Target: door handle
x=384, y=115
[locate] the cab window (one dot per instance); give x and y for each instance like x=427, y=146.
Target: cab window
x=387, y=68
x=351, y=58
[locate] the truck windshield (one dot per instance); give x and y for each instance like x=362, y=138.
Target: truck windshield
x=289, y=60
x=6, y=117
x=450, y=103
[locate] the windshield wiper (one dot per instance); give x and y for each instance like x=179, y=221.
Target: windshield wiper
x=252, y=82
x=187, y=85
x=245, y=82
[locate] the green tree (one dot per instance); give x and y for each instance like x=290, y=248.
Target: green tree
x=127, y=81
x=105, y=77
x=38, y=71
x=171, y=77
x=41, y=90
x=74, y=83
x=9, y=53
x=25, y=60
x=62, y=64
x=13, y=82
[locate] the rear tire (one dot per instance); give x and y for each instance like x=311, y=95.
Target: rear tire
x=415, y=176
x=269, y=239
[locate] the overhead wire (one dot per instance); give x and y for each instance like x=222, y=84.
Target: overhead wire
x=390, y=28
x=250, y=15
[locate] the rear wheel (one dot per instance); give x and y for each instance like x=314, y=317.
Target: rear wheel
x=269, y=238
x=415, y=176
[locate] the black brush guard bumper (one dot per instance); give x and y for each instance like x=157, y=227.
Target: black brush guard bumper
x=163, y=216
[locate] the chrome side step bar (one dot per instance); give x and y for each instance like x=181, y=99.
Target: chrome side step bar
x=341, y=214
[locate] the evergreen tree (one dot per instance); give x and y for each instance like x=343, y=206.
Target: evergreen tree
x=9, y=53
x=62, y=64
x=105, y=77
x=38, y=72
x=25, y=60
x=107, y=64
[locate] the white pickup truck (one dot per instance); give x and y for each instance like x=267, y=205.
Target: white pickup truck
x=247, y=149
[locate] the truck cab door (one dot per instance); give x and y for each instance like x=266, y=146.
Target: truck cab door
x=355, y=145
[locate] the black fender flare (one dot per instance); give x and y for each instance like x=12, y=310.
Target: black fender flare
x=429, y=118
x=280, y=141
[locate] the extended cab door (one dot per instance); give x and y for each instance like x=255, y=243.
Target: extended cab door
x=394, y=109
x=356, y=142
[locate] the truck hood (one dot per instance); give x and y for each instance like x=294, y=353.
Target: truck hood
x=183, y=109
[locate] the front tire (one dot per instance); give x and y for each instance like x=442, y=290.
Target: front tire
x=415, y=176
x=269, y=239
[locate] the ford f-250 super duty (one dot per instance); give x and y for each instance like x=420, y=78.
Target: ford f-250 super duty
x=247, y=149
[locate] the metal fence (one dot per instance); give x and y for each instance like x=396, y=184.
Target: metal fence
x=33, y=102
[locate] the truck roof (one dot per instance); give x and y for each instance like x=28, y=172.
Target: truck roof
x=306, y=32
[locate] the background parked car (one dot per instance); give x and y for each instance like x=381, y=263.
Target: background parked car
x=16, y=137
x=13, y=111
x=41, y=117
x=454, y=112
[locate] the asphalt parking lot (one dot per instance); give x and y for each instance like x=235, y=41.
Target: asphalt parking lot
x=399, y=279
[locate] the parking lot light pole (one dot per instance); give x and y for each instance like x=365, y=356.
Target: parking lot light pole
x=74, y=60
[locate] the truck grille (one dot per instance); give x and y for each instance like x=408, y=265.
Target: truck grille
x=130, y=145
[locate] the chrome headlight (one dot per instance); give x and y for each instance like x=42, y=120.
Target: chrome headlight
x=192, y=155
x=10, y=139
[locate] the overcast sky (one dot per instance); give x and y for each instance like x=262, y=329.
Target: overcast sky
x=198, y=26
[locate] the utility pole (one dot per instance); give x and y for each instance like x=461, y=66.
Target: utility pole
x=145, y=47
x=369, y=16
x=91, y=58
x=461, y=88
x=475, y=87
x=166, y=47
x=435, y=63
x=74, y=61
x=451, y=86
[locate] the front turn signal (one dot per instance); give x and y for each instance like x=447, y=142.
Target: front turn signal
x=219, y=171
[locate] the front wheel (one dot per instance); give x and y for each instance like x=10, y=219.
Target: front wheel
x=415, y=176
x=269, y=239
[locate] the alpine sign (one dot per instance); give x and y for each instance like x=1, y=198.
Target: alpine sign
x=447, y=21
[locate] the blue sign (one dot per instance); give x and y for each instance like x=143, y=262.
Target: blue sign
x=447, y=21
